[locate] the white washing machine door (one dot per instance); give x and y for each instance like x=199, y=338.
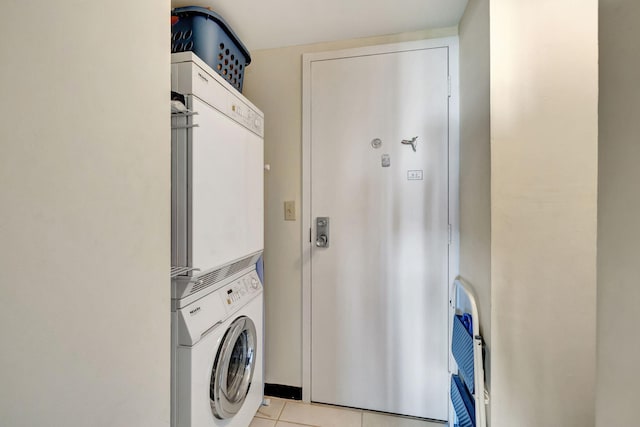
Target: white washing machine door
x=233, y=368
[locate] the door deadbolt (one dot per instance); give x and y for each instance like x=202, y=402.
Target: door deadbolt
x=322, y=231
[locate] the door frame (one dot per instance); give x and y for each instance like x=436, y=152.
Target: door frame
x=451, y=43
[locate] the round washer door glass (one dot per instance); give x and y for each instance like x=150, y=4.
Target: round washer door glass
x=233, y=368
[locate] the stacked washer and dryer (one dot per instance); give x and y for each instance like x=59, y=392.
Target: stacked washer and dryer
x=217, y=239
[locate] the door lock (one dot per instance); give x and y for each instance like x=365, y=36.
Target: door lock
x=322, y=231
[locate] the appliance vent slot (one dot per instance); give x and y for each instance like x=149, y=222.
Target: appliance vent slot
x=215, y=276
x=239, y=265
x=208, y=279
x=197, y=287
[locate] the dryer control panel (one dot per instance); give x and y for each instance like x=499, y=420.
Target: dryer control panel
x=239, y=292
x=243, y=114
x=190, y=75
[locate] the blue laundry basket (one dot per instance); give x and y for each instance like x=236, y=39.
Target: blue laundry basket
x=206, y=34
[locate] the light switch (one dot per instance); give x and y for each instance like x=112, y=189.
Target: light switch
x=290, y=210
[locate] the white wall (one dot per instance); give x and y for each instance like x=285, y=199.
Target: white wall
x=475, y=163
x=618, y=213
x=273, y=82
x=85, y=188
x=544, y=94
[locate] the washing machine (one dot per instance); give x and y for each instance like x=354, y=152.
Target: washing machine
x=218, y=355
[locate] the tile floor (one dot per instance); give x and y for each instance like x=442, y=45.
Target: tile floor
x=293, y=413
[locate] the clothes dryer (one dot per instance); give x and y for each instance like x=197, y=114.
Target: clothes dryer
x=217, y=176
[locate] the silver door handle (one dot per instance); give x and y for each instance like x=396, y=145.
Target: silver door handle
x=322, y=241
x=322, y=232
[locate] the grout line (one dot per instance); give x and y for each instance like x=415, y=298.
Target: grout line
x=281, y=411
x=339, y=408
x=293, y=422
x=319, y=405
x=297, y=424
x=276, y=417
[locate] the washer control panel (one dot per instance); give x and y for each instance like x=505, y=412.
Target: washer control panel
x=237, y=293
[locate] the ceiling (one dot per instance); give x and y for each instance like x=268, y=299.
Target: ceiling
x=264, y=24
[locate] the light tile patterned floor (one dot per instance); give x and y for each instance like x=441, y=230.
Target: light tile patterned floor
x=292, y=413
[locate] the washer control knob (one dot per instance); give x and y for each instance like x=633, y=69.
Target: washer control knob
x=254, y=283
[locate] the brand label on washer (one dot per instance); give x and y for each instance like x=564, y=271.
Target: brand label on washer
x=194, y=311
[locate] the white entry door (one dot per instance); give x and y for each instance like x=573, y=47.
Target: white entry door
x=379, y=289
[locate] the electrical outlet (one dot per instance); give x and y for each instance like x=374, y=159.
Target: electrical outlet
x=290, y=210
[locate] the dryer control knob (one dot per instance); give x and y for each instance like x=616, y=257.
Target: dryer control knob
x=254, y=283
